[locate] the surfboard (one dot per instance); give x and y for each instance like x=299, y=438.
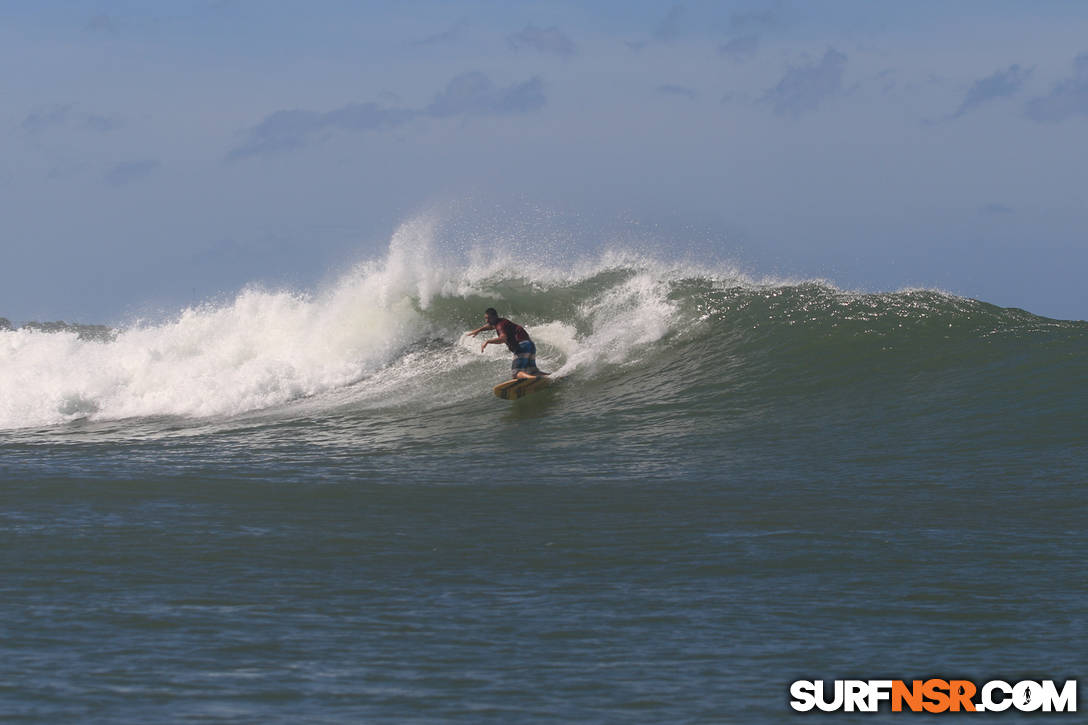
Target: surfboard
x=514, y=389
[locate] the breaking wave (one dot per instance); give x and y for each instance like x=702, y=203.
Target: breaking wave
x=390, y=332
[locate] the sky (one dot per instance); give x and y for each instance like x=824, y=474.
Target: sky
x=159, y=154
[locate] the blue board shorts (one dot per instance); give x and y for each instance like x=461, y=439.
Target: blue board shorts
x=525, y=358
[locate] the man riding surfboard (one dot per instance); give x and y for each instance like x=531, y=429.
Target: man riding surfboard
x=517, y=341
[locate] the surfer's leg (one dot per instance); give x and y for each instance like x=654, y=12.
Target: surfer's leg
x=524, y=364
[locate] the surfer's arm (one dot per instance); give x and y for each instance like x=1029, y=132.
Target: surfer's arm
x=500, y=338
x=478, y=330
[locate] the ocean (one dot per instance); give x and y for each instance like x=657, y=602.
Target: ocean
x=288, y=506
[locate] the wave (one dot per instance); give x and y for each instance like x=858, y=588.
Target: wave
x=390, y=332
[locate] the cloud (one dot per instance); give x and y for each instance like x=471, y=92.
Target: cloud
x=284, y=130
x=469, y=94
x=803, y=88
x=673, y=90
x=65, y=116
x=364, y=116
x=101, y=124
x=101, y=24
x=475, y=94
x=736, y=97
x=130, y=171
x=1001, y=84
x=1068, y=98
x=746, y=29
x=669, y=27
x=996, y=208
x=544, y=40
x=41, y=119
x=446, y=36
x=757, y=19
x=886, y=79
x=740, y=49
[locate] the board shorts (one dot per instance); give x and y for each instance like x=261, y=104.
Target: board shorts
x=525, y=358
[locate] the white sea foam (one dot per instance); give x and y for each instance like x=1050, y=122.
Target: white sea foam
x=360, y=335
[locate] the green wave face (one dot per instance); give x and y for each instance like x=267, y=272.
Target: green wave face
x=803, y=336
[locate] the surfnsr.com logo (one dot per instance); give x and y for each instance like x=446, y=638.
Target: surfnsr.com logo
x=933, y=696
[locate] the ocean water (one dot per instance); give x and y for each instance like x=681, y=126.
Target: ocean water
x=308, y=507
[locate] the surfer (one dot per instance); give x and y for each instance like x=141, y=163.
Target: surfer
x=517, y=341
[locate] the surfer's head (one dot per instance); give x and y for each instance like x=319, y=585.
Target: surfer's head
x=491, y=315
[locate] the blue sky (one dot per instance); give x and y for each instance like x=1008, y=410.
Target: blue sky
x=161, y=153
